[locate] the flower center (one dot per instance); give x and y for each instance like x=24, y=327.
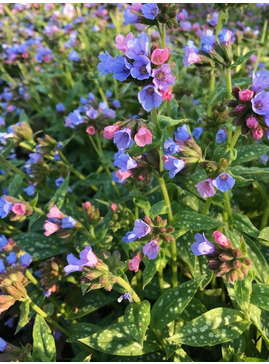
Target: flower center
x=143, y=70
x=150, y=91
x=258, y=105
x=223, y=178
x=160, y=76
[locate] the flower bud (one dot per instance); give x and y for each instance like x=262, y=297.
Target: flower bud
x=237, y=253
x=225, y=257
x=147, y=220
x=237, y=264
x=252, y=122
x=245, y=95
x=240, y=109
x=235, y=92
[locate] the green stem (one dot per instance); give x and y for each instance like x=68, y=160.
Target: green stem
x=163, y=43
x=128, y=288
x=101, y=92
x=219, y=25
x=235, y=137
x=155, y=122
x=207, y=205
x=229, y=95
x=211, y=91
x=161, y=282
x=228, y=210
x=262, y=45
x=259, y=341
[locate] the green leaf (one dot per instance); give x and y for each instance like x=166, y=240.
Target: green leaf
x=116, y=339
x=152, y=266
x=252, y=173
x=191, y=220
x=24, y=316
x=158, y=208
x=137, y=319
x=165, y=121
x=172, y=302
x=242, y=292
x=15, y=184
x=259, y=263
x=43, y=341
x=264, y=236
x=60, y=194
x=260, y=319
x=249, y=152
x=213, y=327
x=181, y=356
x=40, y=246
x=243, y=58
x=260, y=296
x=243, y=224
x=81, y=330
x=143, y=203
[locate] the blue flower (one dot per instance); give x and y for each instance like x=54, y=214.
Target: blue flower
x=11, y=258
x=120, y=68
x=87, y=258
x=123, y=138
x=92, y=113
x=116, y=104
x=74, y=119
x=129, y=237
x=104, y=66
x=5, y=207
x=260, y=103
x=197, y=132
x=173, y=165
x=3, y=242
x=151, y=249
x=260, y=80
x=141, y=68
x=74, y=264
x=182, y=134
x=138, y=46
x=130, y=17
x=141, y=228
x=171, y=147
x=73, y=56
x=124, y=161
x=59, y=181
x=109, y=94
x=2, y=266
x=150, y=10
x=207, y=41
x=225, y=35
x=35, y=157
x=125, y=296
x=221, y=136
x=3, y=344
x=60, y=107
x=202, y=246
x=68, y=222
x=149, y=97
x=26, y=260
x=224, y=182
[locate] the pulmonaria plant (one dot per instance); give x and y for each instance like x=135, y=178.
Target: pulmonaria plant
x=59, y=222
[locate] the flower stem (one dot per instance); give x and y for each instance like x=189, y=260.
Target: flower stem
x=128, y=288
x=207, y=205
x=229, y=95
x=235, y=137
x=228, y=210
x=161, y=282
x=211, y=91
x=163, y=43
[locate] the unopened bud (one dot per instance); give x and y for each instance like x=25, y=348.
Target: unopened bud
x=237, y=264
x=237, y=253
x=225, y=257
x=147, y=220
x=235, y=92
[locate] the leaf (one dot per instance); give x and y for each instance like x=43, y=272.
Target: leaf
x=260, y=319
x=152, y=266
x=181, y=356
x=242, y=292
x=165, y=121
x=143, y=203
x=259, y=263
x=116, y=339
x=213, y=327
x=172, y=303
x=243, y=58
x=252, y=173
x=191, y=220
x=15, y=184
x=264, y=236
x=158, y=208
x=81, y=330
x=40, y=246
x=24, y=316
x=246, y=153
x=43, y=341
x=60, y=194
x=137, y=319
x=243, y=224
x=260, y=296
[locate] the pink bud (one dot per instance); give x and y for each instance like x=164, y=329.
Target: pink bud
x=47, y=58
x=252, y=122
x=134, y=263
x=221, y=239
x=50, y=228
x=122, y=176
x=159, y=56
x=246, y=95
x=143, y=137
x=19, y=209
x=113, y=207
x=25, y=55
x=55, y=213
x=87, y=205
x=240, y=109
x=110, y=130
x=167, y=94
x=90, y=130
x=257, y=133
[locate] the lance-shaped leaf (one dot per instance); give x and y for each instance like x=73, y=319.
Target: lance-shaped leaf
x=213, y=327
x=260, y=319
x=172, y=303
x=137, y=319
x=43, y=341
x=190, y=220
x=260, y=296
x=24, y=316
x=246, y=153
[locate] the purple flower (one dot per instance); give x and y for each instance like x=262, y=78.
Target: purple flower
x=3, y=242
x=221, y=136
x=125, y=296
x=185, y=25
x=104, y=66
x=120, y=68
x=162, y=77
x=149, y=97
x=26, y=260
x=173, y=165
x=74, y=264
x=171, y=147
x=87, y=258
x=35, y=157
x=224, y=182
x=141, y=228
x=2, y=266
x=116, y=104
x=130, y=17
x=214, y=19
x=11, y=258
x=197, y=132
x=68, y=222
x=92, y=113
x=182, y=134
x=207, y=41
x=59, y=181
x=202, y=246
x=123, y=138
x=266, y=119
x=260, y=80
x=5, y=207
x=151, y=249
x=150, y=10
x=73, y=56
x=141, y=68
x=206, y=188
x=260, y=103
x=3, y=344
x=191, y=54
x=225, y=36
x=74, y=119
x=124, y=161
x=138, y=46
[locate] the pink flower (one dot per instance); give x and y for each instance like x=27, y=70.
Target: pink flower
x=257, y=133
x=19, y=209
x=50, y=228
x=167, y=94
x=252, y=122
x=206, y=188
x=134, y=263
x=90, y=130
x=246, y=95
x=55, y=213
x=121, y=41
x=122, y=176
x=110, y=130
x=222, y=240
x=113, y=207
x=159, y=56
x=143, y=137
x=162, y=77
x=135, y=7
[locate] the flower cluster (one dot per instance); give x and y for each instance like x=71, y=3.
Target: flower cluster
x=250, y=109
x=139, y=66
x=223, y=183
x=223, y=258
x=59, y=222
x=16, y=209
